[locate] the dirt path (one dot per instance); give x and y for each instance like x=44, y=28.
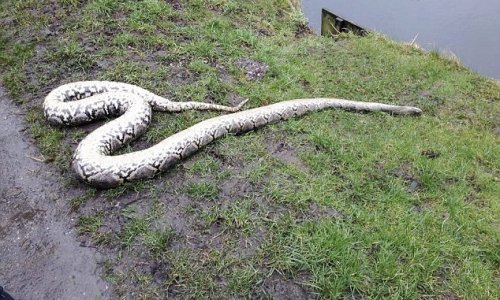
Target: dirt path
x=40, y=257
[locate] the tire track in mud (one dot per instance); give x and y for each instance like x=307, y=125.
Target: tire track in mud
x=40, y=257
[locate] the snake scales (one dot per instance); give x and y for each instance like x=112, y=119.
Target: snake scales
x=86, y=101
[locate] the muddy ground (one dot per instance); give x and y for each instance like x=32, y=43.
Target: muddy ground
x=40, y=255
x=44, y=257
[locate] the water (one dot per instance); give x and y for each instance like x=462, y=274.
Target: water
x=470, y=29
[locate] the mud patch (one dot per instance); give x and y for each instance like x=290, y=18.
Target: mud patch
x=429, y=153
x=279, y=288
x=254, y=70
x=41, y=258
x=405, y=172
x=302, y=30
x=179, y=74
x=496, y=130
x=223, y=73
x=286, y=154
x=317, y=212
x=176, y=4
x=451, y=296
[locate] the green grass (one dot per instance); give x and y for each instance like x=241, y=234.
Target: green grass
x=202, y=189
x=334, y=204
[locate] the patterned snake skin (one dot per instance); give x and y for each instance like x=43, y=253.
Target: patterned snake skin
x=86, y=101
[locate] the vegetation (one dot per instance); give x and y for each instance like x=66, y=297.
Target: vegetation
x=335, y=204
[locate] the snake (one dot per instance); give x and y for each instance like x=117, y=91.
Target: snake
x=131, y=106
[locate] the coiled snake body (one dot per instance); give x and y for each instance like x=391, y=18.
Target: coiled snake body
x=81, y=102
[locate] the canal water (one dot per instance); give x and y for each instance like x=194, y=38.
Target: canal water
x=470, y=29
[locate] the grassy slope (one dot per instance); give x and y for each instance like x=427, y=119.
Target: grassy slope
x=335, y=204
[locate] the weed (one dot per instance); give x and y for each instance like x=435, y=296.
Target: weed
x=158, y=241
x=202, y=190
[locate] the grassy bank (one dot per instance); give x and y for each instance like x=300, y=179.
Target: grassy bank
x=335, y=204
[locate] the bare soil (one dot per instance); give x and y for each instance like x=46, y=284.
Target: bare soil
x=40, y=255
